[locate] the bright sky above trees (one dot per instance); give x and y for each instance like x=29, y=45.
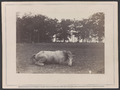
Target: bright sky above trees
x=59, y=11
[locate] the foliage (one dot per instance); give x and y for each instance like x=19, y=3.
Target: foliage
x=64, y=31
x=40, y=28
x=37, y=28
x=98, y=25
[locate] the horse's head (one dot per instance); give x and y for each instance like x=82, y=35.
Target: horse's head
x=70, y=58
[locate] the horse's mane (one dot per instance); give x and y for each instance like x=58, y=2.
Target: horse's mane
x=67, y=55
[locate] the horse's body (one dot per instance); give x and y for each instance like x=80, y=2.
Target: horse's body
x=53, y=57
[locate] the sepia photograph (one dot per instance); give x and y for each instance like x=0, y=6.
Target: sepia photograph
x=53, y=42
x=60, y=44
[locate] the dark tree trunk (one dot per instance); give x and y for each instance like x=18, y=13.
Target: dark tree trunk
x=78, y=39
x=64, y=40
x=38, y=36
x=82, y=40
x=30, y=39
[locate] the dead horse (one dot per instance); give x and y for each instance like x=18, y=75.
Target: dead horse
x=58, y=56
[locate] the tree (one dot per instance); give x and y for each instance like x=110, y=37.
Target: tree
x=92, y=27
x=81, y=29
x=75, y=28
x=97, y=25
x=51, y=28
x=23, y=27
x=64, y=30
x=38, y=28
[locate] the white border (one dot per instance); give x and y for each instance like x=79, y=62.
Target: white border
x=13, y=80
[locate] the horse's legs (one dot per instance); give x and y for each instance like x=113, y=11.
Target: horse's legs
x=41, y=61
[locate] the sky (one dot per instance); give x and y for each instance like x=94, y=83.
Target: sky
x=62, y=11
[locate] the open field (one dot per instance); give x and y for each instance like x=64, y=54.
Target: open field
x=88, y=56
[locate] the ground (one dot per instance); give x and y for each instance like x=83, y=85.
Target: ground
x=88, y=57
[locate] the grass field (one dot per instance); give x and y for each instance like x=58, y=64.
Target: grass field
x=88, y=56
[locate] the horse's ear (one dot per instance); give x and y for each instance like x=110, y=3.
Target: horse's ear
x=33, y=56
x=69, y=53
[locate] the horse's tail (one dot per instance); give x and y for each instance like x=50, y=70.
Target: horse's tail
x=33, y=58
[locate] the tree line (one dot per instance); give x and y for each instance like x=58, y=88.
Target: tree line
x=40, y=28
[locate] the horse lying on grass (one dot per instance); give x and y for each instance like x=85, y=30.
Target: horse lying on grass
x=59, y=57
